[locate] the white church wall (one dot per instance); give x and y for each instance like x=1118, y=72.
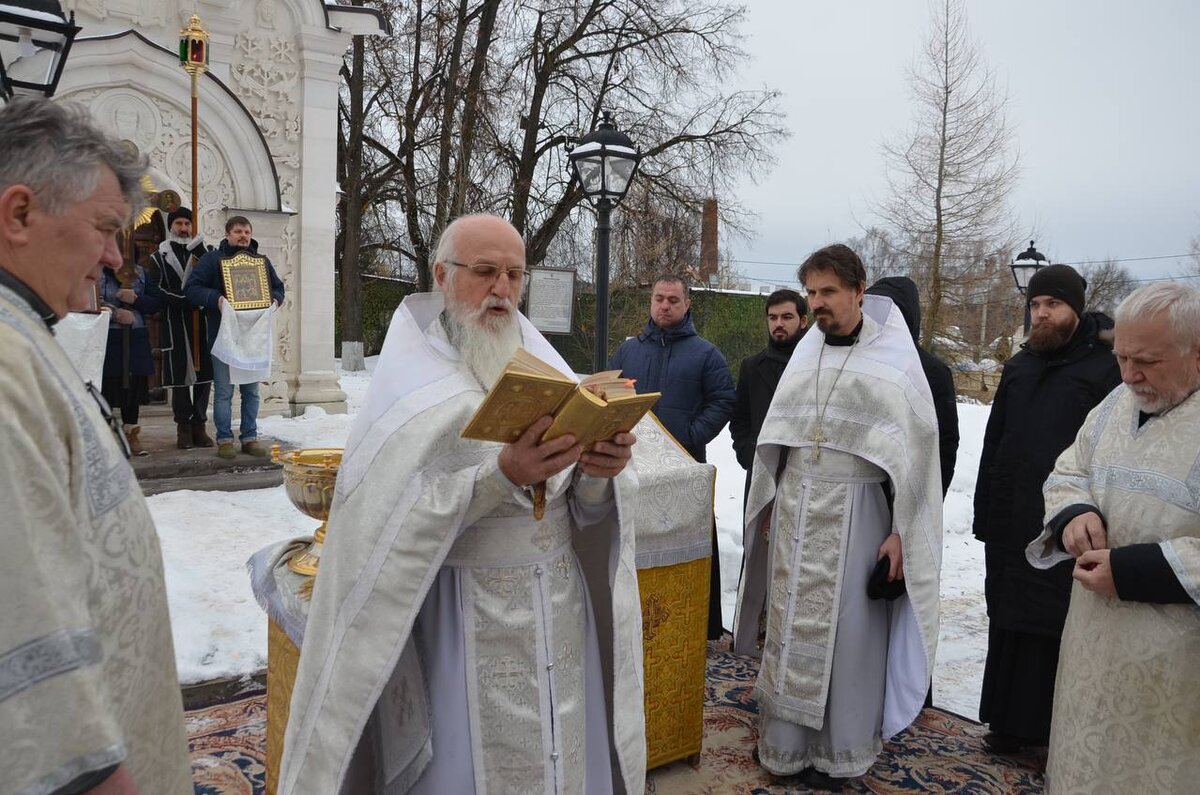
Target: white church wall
x=267, y=143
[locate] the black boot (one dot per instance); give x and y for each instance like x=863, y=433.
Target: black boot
x=818, y=780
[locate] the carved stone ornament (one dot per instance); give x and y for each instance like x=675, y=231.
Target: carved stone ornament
x=161, y=129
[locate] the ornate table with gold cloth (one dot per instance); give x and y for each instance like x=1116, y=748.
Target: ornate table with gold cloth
x=674, y=525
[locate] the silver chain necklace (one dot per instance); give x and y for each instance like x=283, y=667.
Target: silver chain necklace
x=817, y=435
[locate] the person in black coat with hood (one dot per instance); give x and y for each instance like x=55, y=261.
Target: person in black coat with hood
x=1063, y=370
x=903, y=292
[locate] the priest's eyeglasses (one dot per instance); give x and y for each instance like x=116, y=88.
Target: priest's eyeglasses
x=488, y=272
x=113, y=423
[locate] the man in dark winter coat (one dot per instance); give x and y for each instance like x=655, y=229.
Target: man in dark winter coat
x=696, y=385
x=205, y=287
x=670, y=357
x=903, y=292
x=186, y=362
x=787, y=320
x=1064, y=369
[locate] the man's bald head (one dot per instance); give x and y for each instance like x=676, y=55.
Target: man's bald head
x=490, y=254
x=480, y=266
x=469, y=232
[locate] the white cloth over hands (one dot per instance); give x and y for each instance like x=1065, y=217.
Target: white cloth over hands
x=84, y=336
x=245, y=342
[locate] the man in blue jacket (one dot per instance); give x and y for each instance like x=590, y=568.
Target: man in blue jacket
x=205, y=288
x=697, y=389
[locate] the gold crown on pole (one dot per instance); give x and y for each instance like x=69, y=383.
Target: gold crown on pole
x=193, y=47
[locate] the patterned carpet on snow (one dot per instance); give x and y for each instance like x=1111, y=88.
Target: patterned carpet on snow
x=941, y=752
x=228, y=741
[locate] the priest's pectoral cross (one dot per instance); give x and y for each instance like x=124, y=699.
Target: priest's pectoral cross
x=816, y=438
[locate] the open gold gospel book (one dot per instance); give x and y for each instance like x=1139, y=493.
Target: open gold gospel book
x=593, y=410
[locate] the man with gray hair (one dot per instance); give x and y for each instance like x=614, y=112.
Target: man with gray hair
x=89, y=699
x=454, y=642
x=1124, y=502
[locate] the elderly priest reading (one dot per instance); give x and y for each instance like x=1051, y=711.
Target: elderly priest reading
x=454, y=643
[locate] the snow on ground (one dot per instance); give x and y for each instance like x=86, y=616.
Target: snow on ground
x=207, y=537
x=220, y=630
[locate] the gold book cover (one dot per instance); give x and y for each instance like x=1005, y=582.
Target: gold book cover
x=595, y=409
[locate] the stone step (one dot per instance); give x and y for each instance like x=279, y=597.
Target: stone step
x=167, y=468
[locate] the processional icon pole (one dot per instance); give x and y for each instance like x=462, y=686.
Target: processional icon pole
x=193, y=57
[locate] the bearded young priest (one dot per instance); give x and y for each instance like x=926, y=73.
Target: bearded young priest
x=454, y=644
x=846, y=482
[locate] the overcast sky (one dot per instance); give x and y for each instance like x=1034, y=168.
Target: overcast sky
x=1104, y=102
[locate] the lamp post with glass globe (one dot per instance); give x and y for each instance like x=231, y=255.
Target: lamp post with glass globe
x=29, y=28
x=605, y=161
x=1027, y=263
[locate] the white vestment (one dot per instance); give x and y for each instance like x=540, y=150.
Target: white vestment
x=87, y=664
x=1127, y=696
x=841, y=672
x=453, y=643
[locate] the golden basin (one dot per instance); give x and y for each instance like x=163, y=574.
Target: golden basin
x=309, y=476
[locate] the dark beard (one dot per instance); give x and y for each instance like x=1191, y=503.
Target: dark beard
x=1047, y=337
x=786, y=345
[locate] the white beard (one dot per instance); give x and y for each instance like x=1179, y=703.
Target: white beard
x=1154, y=402
x=183, y=241
x=484, y=343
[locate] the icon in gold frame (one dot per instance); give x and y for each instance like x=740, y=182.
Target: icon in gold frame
x=245, y=278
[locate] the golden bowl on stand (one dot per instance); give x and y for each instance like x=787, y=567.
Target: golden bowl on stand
x=309, y=476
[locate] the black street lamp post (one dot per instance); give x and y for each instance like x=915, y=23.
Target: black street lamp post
x=27, y=29
x=605, y=162
x=1027, y=263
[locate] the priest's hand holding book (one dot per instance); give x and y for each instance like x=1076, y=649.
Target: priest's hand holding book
x=529, y=461
x=548, y=422
x=608, y=459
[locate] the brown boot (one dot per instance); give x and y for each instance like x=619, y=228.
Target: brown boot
x=200, y=437
x=255, y=448
x=135, y=444
x=183, y=436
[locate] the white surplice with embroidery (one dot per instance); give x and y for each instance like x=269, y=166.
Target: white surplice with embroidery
x=840, y=672
x=87, y=664
x=1127, y=695
x=453, y=642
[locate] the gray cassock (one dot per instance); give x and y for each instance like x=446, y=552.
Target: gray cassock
x=840, y=672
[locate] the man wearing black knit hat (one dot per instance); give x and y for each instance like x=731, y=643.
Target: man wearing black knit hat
x=1064, y=369
x=186, y=361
